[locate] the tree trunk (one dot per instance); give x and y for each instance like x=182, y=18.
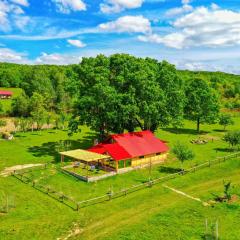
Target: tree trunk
x=102, y=133
x=198, y=125
x=140, y=124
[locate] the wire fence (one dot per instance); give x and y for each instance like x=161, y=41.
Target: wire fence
x=77, y=205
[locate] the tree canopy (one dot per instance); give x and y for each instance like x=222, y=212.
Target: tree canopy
x=202, y=104
x=120, y=92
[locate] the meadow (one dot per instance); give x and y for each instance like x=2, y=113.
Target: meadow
x=152, y=213
x=6, y=103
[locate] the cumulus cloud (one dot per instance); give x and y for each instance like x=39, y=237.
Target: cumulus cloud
x=21, y=2
x=214, y=6
x=57, y=59
x=204, y=27
x=9, y=55
x=130, y=24
x=207, y=66
x=180, y=10
x=76, y=43
x=115, y=6
x=67, y=6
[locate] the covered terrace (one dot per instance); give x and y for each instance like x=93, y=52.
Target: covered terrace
x=89, y=160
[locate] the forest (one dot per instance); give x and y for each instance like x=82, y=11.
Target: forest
x=118, y=93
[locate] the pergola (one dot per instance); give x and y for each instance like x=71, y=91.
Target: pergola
x=85, y=157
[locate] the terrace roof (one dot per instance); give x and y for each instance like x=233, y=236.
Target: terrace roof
x=83, y=155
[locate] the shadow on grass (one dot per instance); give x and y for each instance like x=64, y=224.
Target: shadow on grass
x=220, y=130
x=184, y=131
x=227, y=150
x=19, y=136
x=53, y=148
x=169, y=170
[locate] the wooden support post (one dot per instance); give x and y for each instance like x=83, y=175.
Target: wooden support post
x=87, y=169
x=116, y=166
x=62, y=158
x=124, y=163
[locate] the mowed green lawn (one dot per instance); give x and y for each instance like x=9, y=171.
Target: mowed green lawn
x=155, y=213
x=7, y=102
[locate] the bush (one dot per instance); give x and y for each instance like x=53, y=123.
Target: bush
x=225, y=120
x=233, y=138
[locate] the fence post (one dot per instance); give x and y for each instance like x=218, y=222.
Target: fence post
x=110, y=193
x=209, y=163
x=77, y=206
x=150, y=183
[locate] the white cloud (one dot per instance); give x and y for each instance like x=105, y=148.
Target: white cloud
x=180, y=10
x=66, y=6
x=21, y=2
x=207, y=66
x=11, y=15
x=215, y=6
x=4, y=23
x=57, y=59
x=202, y=28
x=21, y=22
x=9, y=55
x=130, y=24
x=115, y=6
x=76, y=43
x=186, y=1
x=51, y=34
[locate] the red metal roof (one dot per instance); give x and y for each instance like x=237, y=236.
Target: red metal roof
x=6, y=93
x=130, y=145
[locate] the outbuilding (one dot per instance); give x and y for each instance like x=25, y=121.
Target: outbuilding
x=5, y=94
x=132, y=149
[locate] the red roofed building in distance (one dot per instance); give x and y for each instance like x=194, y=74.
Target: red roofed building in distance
x=132, y=149
x=5, y=94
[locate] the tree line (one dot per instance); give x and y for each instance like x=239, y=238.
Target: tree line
x=117, y=93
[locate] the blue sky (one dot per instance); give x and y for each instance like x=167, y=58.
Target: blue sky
x=192, y=34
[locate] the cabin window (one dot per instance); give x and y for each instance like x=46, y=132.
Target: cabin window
x=158, y=154
x=141, y=157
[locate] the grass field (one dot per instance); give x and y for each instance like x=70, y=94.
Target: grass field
x=7, y=102
x=155, y=213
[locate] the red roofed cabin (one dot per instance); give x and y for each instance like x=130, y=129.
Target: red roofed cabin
x=5, y=94
x=132, y=149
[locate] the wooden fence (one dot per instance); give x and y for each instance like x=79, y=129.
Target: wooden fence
x=68, y=201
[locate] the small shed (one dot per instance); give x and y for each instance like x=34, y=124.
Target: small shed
x=5, y=94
